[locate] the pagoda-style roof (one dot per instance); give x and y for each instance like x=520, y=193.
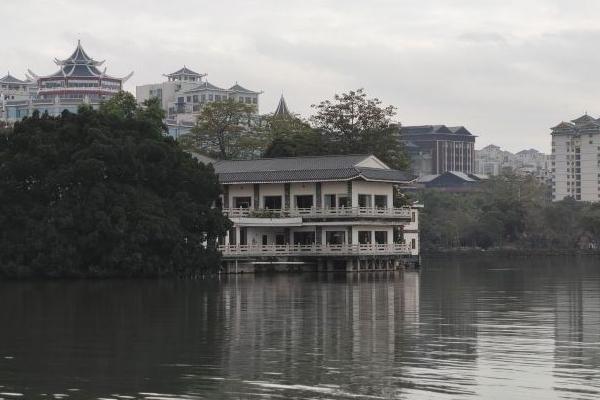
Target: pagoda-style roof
x=11, y=79
x=241, y=89
x=282, y=109
x=80, y=65
x=79, y=57
x=204, y=86
x=185, y=71
x=563, y=127
x=583, y=119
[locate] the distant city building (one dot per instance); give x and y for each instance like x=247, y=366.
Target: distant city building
x=13, y=89
x=576, y=159
x=492, y=160
x=435, y=149
x=185, y=92
x=77, y=82
x=451, y=181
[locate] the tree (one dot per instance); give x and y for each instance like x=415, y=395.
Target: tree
x=104, y=194
x=290, y=136
x=121, y=105
x=353, y=123
x=223, y=129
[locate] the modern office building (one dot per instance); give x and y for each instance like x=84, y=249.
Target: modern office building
x=78, y=81
x=326, y=213
x=575, y=159
x=435, y=149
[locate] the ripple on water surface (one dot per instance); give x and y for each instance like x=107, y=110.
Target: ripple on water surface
x=459, y=329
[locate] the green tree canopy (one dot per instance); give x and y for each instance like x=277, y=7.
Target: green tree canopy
x=104, y=194
x=224, y=130
x=290, y=136
x=352, y=123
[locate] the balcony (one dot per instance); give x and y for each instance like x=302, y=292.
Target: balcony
x=343, y=212
x=233, y=251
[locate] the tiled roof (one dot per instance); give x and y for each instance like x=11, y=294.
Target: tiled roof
x=241, y=89
x=204, y=86
x=583, y=119
x=460, y=130
x=11, y=79
x=303, y=169
x=185, y=71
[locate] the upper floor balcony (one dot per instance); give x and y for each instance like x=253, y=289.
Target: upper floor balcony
x=318, y=212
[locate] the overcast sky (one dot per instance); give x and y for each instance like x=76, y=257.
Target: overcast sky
x=506, y=69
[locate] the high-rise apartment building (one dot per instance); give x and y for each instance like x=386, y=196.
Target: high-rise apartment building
x=575, y=160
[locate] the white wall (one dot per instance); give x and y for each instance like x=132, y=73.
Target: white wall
x=373, y=188
x=246, y=190
x=272, y=189
x=296, y=189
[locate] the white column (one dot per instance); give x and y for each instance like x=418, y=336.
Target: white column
x=237, y=235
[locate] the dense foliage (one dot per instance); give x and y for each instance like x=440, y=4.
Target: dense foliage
x=350, y=123
x=225, y=129
x=104, y=194
x=509, y=211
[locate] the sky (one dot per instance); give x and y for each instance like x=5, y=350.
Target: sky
x=508, y=70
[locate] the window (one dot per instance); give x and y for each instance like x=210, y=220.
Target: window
x=217, y=97
x=364, y=200
x=343, y=201
x=189, y=99
x=242, y=202
x=180, y=100
x=195, y=98
x=413, y=244
x=413, y=217
x=335, y=237
x=329, y=201
x=254, y=100
x=304, y=238
x=381, y=201
x=210, y=97
x=272, y=202
x=364, y=237
x=203, y=98
x=304, y=201
x=381, y=237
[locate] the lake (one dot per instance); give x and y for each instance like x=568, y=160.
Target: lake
x=493, y=328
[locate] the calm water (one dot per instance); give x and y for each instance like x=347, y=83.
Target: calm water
x=506, y=328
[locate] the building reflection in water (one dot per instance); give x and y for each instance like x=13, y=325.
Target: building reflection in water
x=577, y=337
x=346, y=334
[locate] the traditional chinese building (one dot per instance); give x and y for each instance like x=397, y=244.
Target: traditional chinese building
x=184, y=94
x=308, y=213
x=78, y=81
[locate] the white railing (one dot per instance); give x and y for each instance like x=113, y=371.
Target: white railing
x=403, y=212
x=314, y=249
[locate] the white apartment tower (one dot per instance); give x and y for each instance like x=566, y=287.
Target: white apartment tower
x=575, y=159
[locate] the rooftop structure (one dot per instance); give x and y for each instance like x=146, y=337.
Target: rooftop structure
x=327, y=212
x=575, y=165
x=435, y=149
x=185, y=93
x=282, y=109
x=451, y=181
x=78, y=81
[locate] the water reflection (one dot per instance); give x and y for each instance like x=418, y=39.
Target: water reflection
x=477, y=328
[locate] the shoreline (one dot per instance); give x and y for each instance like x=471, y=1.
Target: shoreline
x=508, y=252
